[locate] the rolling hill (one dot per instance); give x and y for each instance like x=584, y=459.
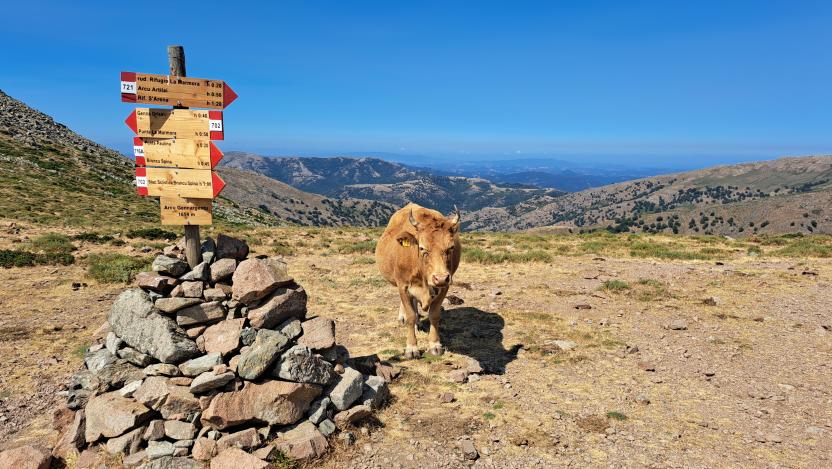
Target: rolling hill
x=779, y=196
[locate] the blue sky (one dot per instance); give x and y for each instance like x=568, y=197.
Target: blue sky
x=663, y=83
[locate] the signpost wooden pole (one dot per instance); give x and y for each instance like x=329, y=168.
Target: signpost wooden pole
x=176, y=60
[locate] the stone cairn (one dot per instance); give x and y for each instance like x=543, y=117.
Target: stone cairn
x=218, y=362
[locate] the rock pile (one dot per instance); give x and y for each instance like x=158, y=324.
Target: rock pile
x=217, y=362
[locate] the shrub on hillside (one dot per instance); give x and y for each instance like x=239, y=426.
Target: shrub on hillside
x=52, y=243
x=114, y=268
x=151, y=233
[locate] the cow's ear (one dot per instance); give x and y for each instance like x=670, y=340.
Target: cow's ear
x=407, y=240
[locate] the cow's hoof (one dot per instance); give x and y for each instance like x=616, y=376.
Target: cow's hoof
x=435, y=349
x=412, y=352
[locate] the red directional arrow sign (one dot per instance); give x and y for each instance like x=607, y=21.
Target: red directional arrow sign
x=184, y=183
x=176, y=153
x=167, y=90
x=176, y=123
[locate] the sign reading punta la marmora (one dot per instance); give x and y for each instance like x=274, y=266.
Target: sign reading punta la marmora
x=167, y=90
x=176, y=123
x=184, y=183
x=176, y=153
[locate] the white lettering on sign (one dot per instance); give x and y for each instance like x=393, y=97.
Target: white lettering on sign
x=141, y=181
x=215, y=125
x=128, y=87
x=138, y=150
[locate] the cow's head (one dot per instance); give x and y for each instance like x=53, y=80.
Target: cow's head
x=435, y=240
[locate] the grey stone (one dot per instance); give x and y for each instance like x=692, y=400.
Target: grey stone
x=677, y=325
x=135, y=357
x=155, y=430
x=319, y=410
x=171, y=462
x=304, y=441
x=300, y=365
x=204, y=313
x=183, y=443
x=97, y=360
x=199, y=365
x=245, y=439
x=208, y=380
x=177, y=430
x=255, y=279
x=375, y=392
x=192, y=289
x=222, y=269
x=327, y=427
x=134, y=319
x=180, y=404
x=127, y=443
x=208, y=249
x=201, y=272
x=214, y=294
x=291, y=328
x=283, y=304
x=231, y=247
x=318, y=333
x=130, y=388
x=110, y=415
x=263, y=352
x=172, y=305
x=248, y=335
x=347, y=390
x=116, y=374
x=153, y=392
x=158, y=449
x=112, y=342
x=169, y=266
x=134, y=459
x=161, y=369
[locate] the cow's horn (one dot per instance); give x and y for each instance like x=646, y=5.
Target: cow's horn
x=413, y=220
x=454, y=219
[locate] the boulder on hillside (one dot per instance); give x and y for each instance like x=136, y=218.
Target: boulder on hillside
x=255, y=278
x=134, y=319
x=169, y=266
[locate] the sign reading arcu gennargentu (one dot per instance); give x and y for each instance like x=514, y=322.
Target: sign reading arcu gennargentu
x=166, y=90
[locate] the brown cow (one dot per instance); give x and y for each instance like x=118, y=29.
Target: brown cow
x=419, y=254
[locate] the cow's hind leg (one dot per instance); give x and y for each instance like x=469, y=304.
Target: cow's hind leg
x=410, y=318
x=434, y=343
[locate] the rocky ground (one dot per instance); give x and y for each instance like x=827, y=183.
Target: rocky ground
x=588, y=360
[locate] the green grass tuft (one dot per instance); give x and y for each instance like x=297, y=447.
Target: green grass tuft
x=615, y=285
x=114, y=268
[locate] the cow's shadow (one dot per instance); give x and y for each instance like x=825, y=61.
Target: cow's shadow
x=479, y=335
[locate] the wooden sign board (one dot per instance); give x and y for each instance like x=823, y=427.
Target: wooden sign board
x=167, y=90
x=176, y=123
x=184, y=183
x=176, y=153
x=179, y=211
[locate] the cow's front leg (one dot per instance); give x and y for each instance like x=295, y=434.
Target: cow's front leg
x=410, y=318
x=434, y=342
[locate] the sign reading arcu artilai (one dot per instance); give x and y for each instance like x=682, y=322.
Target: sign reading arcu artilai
x=166, y=90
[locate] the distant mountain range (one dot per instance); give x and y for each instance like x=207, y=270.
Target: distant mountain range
x=393, y=183
x=53, y=176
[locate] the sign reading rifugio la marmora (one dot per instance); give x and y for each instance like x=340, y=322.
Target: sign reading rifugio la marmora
x=174, y=148
x=166, y=90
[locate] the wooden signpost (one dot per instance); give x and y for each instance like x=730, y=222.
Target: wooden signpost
x=176, y=123
x=176, y=153
x=173, y=147
x=166, y=90
x=163, y=182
